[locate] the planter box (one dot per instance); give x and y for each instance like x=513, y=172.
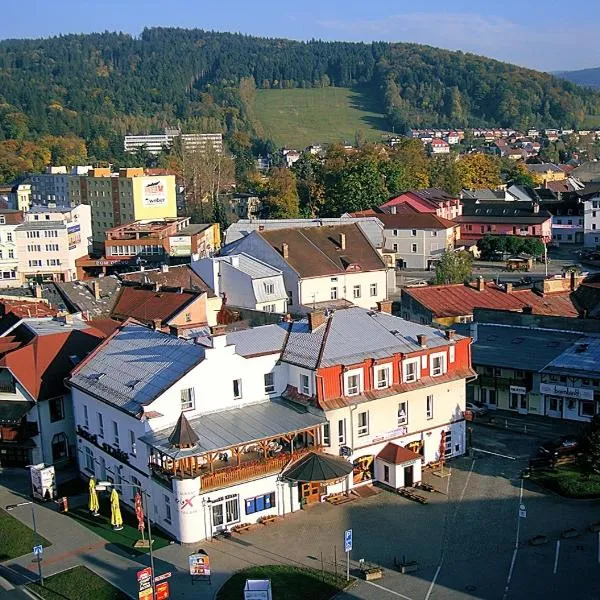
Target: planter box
x=410, y=567
x=372, y=574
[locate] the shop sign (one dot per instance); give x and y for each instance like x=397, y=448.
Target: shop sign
x=162, y=590
x=199, y=564
x=554, y=389
x=388, y=435
x=144, y=579
x=518, y=389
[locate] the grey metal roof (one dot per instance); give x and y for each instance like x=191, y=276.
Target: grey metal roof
x=520, y=348
x=49, y=292
x=354, y=334
x=236, y=426
x=259, y=340
x=50, y=326
x=193, y=228
x=581, y=357
x=135, y=366
x=80, y=294
x=251, y=266
x=29, y=225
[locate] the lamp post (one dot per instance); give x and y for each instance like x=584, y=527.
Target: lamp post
x=103, y=485
x=39, y=558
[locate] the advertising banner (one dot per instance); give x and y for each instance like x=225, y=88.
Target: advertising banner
x=155, y=192
x=199, y=564
x=162, y=590
x=180, y=245
x=43, y=482
x=144, y=578
x=74, y=236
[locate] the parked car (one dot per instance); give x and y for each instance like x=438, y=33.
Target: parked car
x=559, y=447
x=477, y=408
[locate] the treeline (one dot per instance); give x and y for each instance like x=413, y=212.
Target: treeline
x=100, y=87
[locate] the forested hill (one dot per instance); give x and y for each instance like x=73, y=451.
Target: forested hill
x=587, y=77
x=101, y=86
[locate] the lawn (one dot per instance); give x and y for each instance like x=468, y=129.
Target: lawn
x=17, y=539
x=300, y=117
x=77, y=584
x=125, y=538
x=568, y=481
x=291, y=583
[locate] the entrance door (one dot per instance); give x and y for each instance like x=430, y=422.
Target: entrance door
x=523, y=404
x=408, y=476
x=554, y=406
x=311, y=492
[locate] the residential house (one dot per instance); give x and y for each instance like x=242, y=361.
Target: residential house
x=568, y=216
x=455, y=303
x=36, y=411
x=9, y=220
x=515, y=218
x=439, y=146
x=590, y=198
x=245, y=206
x=545, y=172
x=290, y=156
x=453, y=138
x=245, y=281
x=329, y=266
x=20, y=197
x=430, y=200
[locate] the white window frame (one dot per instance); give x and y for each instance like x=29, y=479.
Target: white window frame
x=413, y=233
x=188, y=403
x=411, y=361
x=341, y=431
x=333, y=293
x=443, y=367
x=429, y=406
x=362, y=429
x=388, y=379
x=132, y=443
x=304, y=389
x=402, y=406
x=373, y=289
x=452, y=353
x=237, y=396
x=116, y=439
x=354, y=391
x=269, y=287
x=86, y=417
x=269, y=387
x=326, y=434
x=356, y=292
x=414, y=248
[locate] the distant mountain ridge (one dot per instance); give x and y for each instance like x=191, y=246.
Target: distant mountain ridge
x=585, y=77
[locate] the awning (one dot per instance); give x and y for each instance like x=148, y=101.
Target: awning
x=12, y=411
x=318, y=467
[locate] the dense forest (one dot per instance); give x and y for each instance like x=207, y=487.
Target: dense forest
x=587, y=77
x=99, y=87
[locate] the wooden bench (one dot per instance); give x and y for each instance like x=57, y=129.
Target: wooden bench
x=243, y=527
x=412, y=496
x=269, y=519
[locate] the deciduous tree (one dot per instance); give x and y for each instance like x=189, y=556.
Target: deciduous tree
x=281, y=201
x=453, y=267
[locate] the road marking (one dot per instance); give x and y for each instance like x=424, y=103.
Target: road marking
x=494, y=453
x=441, y=563
x=516, y=548
x=388, y=590
x=556, y=556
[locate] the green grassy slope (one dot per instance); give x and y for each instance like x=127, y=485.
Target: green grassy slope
x=300, y=117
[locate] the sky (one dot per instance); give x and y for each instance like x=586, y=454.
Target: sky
x=548, y=35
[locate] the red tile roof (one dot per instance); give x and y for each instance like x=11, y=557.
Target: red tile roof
x=458, y=300
x=105, y=325
x=23, y=308
x=397, y=455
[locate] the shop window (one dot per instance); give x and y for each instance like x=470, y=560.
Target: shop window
x=260, y=503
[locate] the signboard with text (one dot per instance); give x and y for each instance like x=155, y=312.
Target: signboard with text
x=155, y=192
x=162, y=590
x=199, y=565
x=180, y=245
x=554, y=389
x=144, y=579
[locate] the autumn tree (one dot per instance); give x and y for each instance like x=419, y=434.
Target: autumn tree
x=281, y=201
x=445, y=174
x=517, y=173
x=411, y=154
x=453, y=267
x=308, y=170
x=478, y=171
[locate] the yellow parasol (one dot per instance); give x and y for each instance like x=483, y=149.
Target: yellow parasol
x=93, y=504
x=115, y=511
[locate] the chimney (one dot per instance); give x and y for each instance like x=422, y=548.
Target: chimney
x=316, y=318
x=393, y=210
x=385, y=306
x=342, y=241
x=527, y=310
x=508, y=287
x=480, y=284
x=536, y=208
x=164, y=268
x=285, y=250
x=37, y=290
x=96, y=289
x=422, y=340
x=180, y=291
x=157, y=324
x=450, y=334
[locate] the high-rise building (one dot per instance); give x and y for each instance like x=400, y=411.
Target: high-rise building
x=190, y=141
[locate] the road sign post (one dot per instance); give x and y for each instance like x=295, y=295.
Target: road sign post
x=348, y=549
x=37, y=552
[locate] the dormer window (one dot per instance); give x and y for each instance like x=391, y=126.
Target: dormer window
x=269, y=287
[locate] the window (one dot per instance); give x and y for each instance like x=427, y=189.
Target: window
x=132, y=446
x=270, y=308
x=116, y=433
x=413, y=233
x=413, y=248
x=2, y=220
x=386, y=473
x=86, y=420
x=225, y=511
x=395, y=232
x=342, y=431
x=429, y=407
x=452, y=353
x=269, y=383
x=89, y=459
x=410, y=370
x=326, y=434
x=237, y=389
x=33, y=234
x=9, y=237
x=373, y=289
x=269, y=287
x=356, y=291
x=403, y=413
x=35, y=263
x=304, y=384
x=260, y=503
x=395, y=247
x=438, y=364
x=167, y=506
x=586, y=409
x=363, y=423
x=60, y=447
x=352, y=384
x=100, y=425
x=57, y=409
x=188, y=400
x=188, y=317
x=382, y=377
x=11, y=253
x=333, y=293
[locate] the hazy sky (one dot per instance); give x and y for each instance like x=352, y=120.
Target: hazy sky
x=543, y=34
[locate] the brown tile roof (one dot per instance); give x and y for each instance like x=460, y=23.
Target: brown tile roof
x=458, y=299
x=415, y=220
x=177, y=276
x=145, y=304
x=105, y=324
x=316, y=251
x=397, y=455
x=23, y=308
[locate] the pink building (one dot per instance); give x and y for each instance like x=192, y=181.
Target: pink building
x=429, y=200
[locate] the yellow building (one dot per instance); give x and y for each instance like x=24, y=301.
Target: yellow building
x=127, y=196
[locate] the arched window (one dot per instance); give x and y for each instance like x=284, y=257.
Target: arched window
x=60, y=447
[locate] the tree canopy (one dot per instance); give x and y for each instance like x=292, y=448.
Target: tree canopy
x=453, y=267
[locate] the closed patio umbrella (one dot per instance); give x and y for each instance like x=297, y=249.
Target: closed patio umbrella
x=93, y=504
x=115, y=511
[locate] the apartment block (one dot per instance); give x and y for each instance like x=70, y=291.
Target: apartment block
x=190, y=141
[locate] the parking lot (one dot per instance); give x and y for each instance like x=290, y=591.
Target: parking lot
x=470, y=543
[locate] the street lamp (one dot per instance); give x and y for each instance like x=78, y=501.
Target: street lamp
x=103, y=485
x=39, y=558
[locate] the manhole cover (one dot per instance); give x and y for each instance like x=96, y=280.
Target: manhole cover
x=470, y=588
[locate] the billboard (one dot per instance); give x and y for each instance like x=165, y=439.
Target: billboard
x=43, y=482
x=154, y=192
x=74, y=236
x=180, y=245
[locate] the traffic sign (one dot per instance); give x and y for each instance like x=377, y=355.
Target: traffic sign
x=38, y=550
x=522, y=511
x=348, y=540
x=162, y=577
